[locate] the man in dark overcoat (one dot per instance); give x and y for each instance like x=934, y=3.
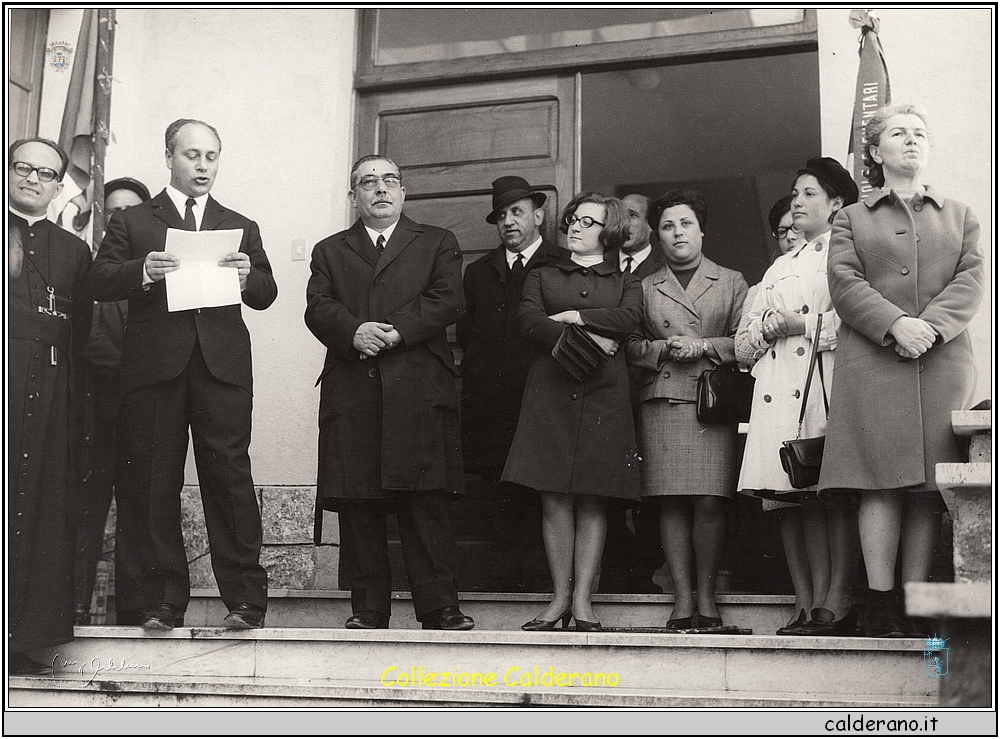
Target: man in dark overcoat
x=185, y=371
x=630, y=559
x=380, y=297
x=48, y=321
x=494, y=370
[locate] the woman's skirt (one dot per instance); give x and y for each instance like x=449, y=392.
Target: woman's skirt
x=681, y=455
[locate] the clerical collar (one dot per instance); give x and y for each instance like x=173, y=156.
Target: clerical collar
x=373, y=234
x=526, y=253
x=32, y=220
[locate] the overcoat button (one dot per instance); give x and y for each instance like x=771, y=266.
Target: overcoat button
x=666, y=324
x=573, y=396
x=800, y=351
x=773, y=354
x=585, y=272
x=918, y=207
x=819, y=247
x=583, y=293
x=31, y=234
x=796, y=394
x=372, y=372
x=805, y=309
x=31, y=252
x=905, y=270
x=666, y=375
x=767, y=398
x=918, y=237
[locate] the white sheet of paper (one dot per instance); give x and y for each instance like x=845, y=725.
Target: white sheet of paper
x=200, y=282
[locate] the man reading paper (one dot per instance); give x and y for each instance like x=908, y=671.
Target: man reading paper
x=184, y=370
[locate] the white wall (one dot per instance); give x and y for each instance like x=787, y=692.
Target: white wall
x=277, y=84
x=940, y=59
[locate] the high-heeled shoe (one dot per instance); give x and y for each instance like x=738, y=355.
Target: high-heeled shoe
x=587, y=625
x=538, y=625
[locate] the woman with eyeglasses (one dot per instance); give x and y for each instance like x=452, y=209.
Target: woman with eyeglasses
x=575, y=439
x=782, y=325
x=692, y=309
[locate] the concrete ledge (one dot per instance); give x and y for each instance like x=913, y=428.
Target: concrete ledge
x=291, y=692
x=968, y=423
x=963, y=476
x=949, y=599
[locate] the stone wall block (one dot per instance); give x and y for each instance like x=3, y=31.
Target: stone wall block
x=289, y=566
x=287, y=514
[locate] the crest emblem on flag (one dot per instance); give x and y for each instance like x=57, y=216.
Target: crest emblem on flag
x=60, y=55
x=935, y=656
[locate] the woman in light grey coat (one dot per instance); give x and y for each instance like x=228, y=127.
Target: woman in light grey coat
x=906, y=277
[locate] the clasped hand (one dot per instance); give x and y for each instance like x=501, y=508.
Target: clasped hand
x=158, y=263
x=683, y=348
x=913, y=336
x=374, y=336
x=781, y=323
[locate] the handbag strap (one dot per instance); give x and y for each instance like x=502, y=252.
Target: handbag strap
x=812, y=366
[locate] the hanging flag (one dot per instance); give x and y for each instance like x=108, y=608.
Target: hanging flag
x=871, y=92
x=76, y=134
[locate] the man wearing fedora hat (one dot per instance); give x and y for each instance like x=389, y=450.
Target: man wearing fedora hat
x=494, y=371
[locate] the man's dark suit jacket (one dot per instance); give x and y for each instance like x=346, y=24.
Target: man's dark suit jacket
x=649, y=265
x=158, y=343
x=496, y=359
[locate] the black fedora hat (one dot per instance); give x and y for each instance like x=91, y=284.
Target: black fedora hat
x=832, y=173
x=509, y=189
x=127, y=183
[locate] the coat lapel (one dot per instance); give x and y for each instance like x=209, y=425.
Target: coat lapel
x=666, y=284
x=164, y=209
x=357, y=239
x=702, y=280
x=405, y=232
x=215, y=214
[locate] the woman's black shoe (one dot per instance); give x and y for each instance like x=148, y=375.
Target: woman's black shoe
x=792, y=627
x=587, y=625
x=884, y=617
x=536, y=625
x=823, y=624
x=681, y=624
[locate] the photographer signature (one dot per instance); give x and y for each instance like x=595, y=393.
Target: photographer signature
x=96, y=666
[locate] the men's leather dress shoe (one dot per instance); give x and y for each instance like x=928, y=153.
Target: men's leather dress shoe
x=367, y=620
x=245, y=616
x=18, y=663
x=162, y=617
x=448, y=618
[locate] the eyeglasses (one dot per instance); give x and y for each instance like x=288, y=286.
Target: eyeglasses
x=782, y=232
x=585, y=222
x=23, y=169
x=370, y=182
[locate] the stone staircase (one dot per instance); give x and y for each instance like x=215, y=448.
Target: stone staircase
x=300, y=661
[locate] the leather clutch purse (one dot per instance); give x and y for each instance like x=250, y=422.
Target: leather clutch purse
x=577, y=352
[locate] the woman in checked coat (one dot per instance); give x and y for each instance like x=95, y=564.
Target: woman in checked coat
x=575, y=439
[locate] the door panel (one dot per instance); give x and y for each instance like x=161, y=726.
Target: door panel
x=452, y=142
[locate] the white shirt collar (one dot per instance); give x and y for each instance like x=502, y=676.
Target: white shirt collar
x=638, y=258
x=179, y=200
x=32, y=220
x=527, y=253
x=822, y=241
x=373, y=234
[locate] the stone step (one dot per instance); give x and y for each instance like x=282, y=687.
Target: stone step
x=490, y=667
x=761, y=614
x=78, y=691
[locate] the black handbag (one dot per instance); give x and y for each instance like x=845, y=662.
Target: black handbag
x=725, y=395
x=577, y=352
x=801, y=458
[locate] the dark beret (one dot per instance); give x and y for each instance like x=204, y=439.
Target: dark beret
x=830, y=172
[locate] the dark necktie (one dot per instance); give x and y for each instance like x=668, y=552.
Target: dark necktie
x=628, y=265
x=380, y=244
x=517, y=269
x=189, y=222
